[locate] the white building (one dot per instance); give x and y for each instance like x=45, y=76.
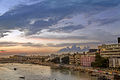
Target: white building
x=114, y=62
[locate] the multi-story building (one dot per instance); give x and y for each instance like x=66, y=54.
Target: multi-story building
x=72, y=59
x=82, y=59
x=86, y=60
x=114, y=62
x=77, y=59
x=111, y=50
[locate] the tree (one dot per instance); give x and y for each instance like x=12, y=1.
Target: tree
x=65, y=60
x=100, y=61
x=56, y=60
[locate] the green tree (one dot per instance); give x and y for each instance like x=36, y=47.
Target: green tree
x=100, y=62
x=65, y=60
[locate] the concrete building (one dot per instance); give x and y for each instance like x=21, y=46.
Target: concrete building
x=82, y=59
x=114, y=62
x=86, y=60
x=72, y=59
x=111, y=50
x=77, y=59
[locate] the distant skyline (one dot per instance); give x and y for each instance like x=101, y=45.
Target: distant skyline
x=46, y=26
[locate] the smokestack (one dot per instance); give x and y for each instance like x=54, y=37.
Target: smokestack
x=118, y=40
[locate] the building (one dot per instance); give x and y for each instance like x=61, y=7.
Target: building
x=83, y=59
x=77, y=59
x=86, y=60
x=72, y=59
x=111, y=50
x=114, y=62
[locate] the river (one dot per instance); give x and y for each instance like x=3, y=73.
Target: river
x=37, y=72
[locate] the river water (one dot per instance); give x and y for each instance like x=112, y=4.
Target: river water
x=37, y=72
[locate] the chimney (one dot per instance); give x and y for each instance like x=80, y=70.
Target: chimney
x=118, y=40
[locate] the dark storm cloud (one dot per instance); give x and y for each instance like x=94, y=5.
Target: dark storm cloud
x=20, y=16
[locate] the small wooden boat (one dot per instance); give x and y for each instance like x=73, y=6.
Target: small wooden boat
x=15, y=69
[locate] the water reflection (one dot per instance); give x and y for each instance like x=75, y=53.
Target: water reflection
x=36, y=72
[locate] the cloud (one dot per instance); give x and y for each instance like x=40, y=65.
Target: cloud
x=3, y=33
x=67, y=29
x=8, y=44
x=106, y=21
x=68, y=19
x=6, y=5
x=32, y=45
x=22, y=15
x=64, y=37
x=104, y=36
x=29, y=44
x=70, y=44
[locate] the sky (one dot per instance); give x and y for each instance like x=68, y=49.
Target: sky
x=46, y=26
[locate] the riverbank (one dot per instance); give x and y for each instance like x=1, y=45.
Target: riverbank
x=39, y=72
x=97, y=72
x=91, y=71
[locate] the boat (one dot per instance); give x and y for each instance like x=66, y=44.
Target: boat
x=22, y=77
x=15, y=69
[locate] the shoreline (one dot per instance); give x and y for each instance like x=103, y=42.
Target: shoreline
x=96, y=72
x=34, y=71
